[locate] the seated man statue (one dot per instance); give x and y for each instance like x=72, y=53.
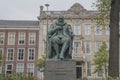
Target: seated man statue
x=60, y=40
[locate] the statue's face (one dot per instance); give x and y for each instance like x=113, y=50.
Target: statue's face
x=61, y=19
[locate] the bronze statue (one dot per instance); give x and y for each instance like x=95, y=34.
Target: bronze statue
x=60, y=37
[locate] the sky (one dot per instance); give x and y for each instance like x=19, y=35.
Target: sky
x=29, y=9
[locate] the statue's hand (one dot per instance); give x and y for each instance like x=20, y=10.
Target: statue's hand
x=58, y=27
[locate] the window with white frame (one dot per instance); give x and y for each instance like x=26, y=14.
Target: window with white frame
x=107, y=30
x=9, y=68
x=10, y=54
x=1, y=53
x=89, y=69
x=119, y=23
x=98, y=30
x=11, y=38
x=77, y=30
x=100, y=73
x=0, y=69
x=30, y=69
x=32, y=38
x=20, y=68
x=98, y=44
x=21, y=52
x=31, y=54
x=21, y=38
x=76, y=46
x=87, y=29
x=2, y=35
x=87, y=45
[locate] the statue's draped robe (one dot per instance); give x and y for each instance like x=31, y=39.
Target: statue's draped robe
x=67, y=32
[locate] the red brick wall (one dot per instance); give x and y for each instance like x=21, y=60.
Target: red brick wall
x=25, y=46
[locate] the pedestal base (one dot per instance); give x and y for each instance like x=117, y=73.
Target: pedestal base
x=60, y=70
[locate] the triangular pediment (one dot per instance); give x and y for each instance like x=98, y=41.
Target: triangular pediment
x=77, y=8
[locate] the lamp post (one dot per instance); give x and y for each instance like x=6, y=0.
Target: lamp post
x=47, y=5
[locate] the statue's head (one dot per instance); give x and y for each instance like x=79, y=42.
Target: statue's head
x=61, y=19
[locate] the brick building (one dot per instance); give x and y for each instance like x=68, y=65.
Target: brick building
x=19, y=45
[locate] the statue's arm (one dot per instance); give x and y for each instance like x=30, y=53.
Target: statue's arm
x=51, y=30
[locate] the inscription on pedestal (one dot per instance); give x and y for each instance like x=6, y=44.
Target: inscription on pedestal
x=60, y=70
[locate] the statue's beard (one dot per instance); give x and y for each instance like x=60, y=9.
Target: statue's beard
x=60, y=23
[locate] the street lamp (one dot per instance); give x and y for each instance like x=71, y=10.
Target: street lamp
x=47, y=5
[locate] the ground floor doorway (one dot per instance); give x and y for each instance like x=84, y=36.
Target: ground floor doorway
x=78, y=72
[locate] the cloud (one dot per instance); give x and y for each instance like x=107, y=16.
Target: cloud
x=29, y=9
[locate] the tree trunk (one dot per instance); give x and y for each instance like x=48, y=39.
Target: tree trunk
x=114, y=40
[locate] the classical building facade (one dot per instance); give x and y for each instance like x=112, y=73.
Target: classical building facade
x=88, y=36
x=19, y=46
x=23, y=42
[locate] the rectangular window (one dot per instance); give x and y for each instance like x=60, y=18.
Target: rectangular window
x=11, y=38
x=100, y=73
x=20, y=68
x=77, y=47
x=9, y=68
x=21, y=53
x=87, y=45
x=32, y=38
x=21, y=38
x=0, y=69
x=31, y=54
x=88, y=68
x=30, y=69
x=119, y=23
x=10, y=54
x=98, y=44
x=98, y=30
x=2, y=36
x=77, y=30
x=1, y=53
x=87, y=29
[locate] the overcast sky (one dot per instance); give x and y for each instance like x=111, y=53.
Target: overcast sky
x=29, y=9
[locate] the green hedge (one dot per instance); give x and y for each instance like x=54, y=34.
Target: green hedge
x=16, y=77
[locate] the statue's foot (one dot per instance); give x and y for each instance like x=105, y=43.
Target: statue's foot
x=61, y=57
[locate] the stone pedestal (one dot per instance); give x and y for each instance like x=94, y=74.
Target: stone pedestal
x=60, y=70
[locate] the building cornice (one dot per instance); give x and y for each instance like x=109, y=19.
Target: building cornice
x=77, y=11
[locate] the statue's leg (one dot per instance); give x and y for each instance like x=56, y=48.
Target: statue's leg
x=55, y=43
x=65, y=41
